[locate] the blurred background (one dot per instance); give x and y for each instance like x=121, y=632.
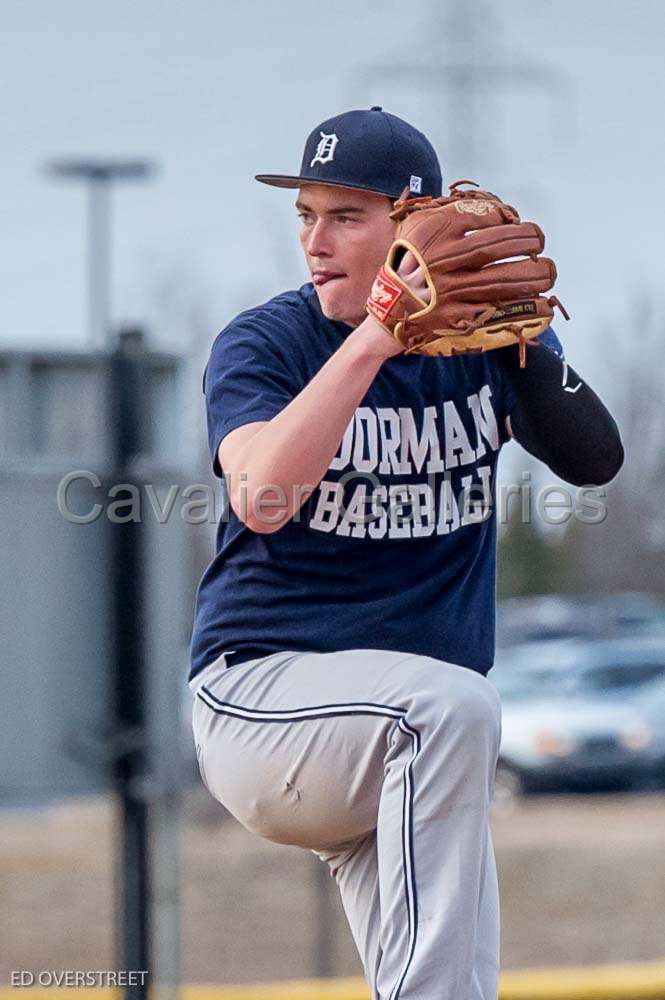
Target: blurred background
x=132, y=231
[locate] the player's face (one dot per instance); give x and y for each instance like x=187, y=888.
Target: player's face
x=345, y=236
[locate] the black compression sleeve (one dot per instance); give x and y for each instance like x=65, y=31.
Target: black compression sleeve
x=558, y=418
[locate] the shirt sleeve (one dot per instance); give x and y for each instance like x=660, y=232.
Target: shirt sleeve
x=246, y=379
x=550, y=340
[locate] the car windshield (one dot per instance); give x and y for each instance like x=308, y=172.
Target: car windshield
x=571, y=681
x=517, y=684
x=619, y=677
x=652, y=697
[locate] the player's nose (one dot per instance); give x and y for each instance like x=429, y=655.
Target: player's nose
x=319, y=243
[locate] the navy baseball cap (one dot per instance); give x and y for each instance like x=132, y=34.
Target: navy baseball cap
x=370, y=150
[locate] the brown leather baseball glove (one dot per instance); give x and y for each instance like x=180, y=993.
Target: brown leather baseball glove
x=480, y=296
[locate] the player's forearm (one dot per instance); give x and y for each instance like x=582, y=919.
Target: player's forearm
x=285, y=461
x=558, y=418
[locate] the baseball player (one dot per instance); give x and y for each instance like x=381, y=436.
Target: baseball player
x=345, y=626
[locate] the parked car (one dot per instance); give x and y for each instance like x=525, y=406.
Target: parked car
x=575, y=668
x=574, y=714
x=558, y=744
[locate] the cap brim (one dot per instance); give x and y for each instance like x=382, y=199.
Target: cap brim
x=279, y=180
x=285, y=181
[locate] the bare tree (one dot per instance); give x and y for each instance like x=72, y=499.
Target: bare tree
x=626, y=551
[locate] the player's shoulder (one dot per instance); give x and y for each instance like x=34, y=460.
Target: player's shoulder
x=280, y=315
x=279, y=335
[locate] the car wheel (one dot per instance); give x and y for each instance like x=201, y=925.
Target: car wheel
x=508, y=789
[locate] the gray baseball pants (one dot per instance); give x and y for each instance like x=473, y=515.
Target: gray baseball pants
x=381, y=763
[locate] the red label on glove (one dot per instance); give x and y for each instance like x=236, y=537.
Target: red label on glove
x=383, y=296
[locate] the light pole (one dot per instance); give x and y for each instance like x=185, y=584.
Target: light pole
x=99, y=174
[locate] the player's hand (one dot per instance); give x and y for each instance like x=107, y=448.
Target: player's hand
x=375, y=337
x=412, y=275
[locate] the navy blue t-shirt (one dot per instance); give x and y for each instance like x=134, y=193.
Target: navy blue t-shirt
x=396, y=547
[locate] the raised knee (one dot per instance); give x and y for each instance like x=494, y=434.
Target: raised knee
x=470, y=705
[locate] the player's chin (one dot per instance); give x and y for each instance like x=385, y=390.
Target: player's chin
x=338, y=305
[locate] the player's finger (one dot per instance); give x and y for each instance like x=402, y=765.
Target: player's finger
x=417, y=283
x=408, y=264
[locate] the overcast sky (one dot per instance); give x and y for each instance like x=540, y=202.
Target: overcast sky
x=216, y=92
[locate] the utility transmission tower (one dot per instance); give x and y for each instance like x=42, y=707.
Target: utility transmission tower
x=462, y=70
